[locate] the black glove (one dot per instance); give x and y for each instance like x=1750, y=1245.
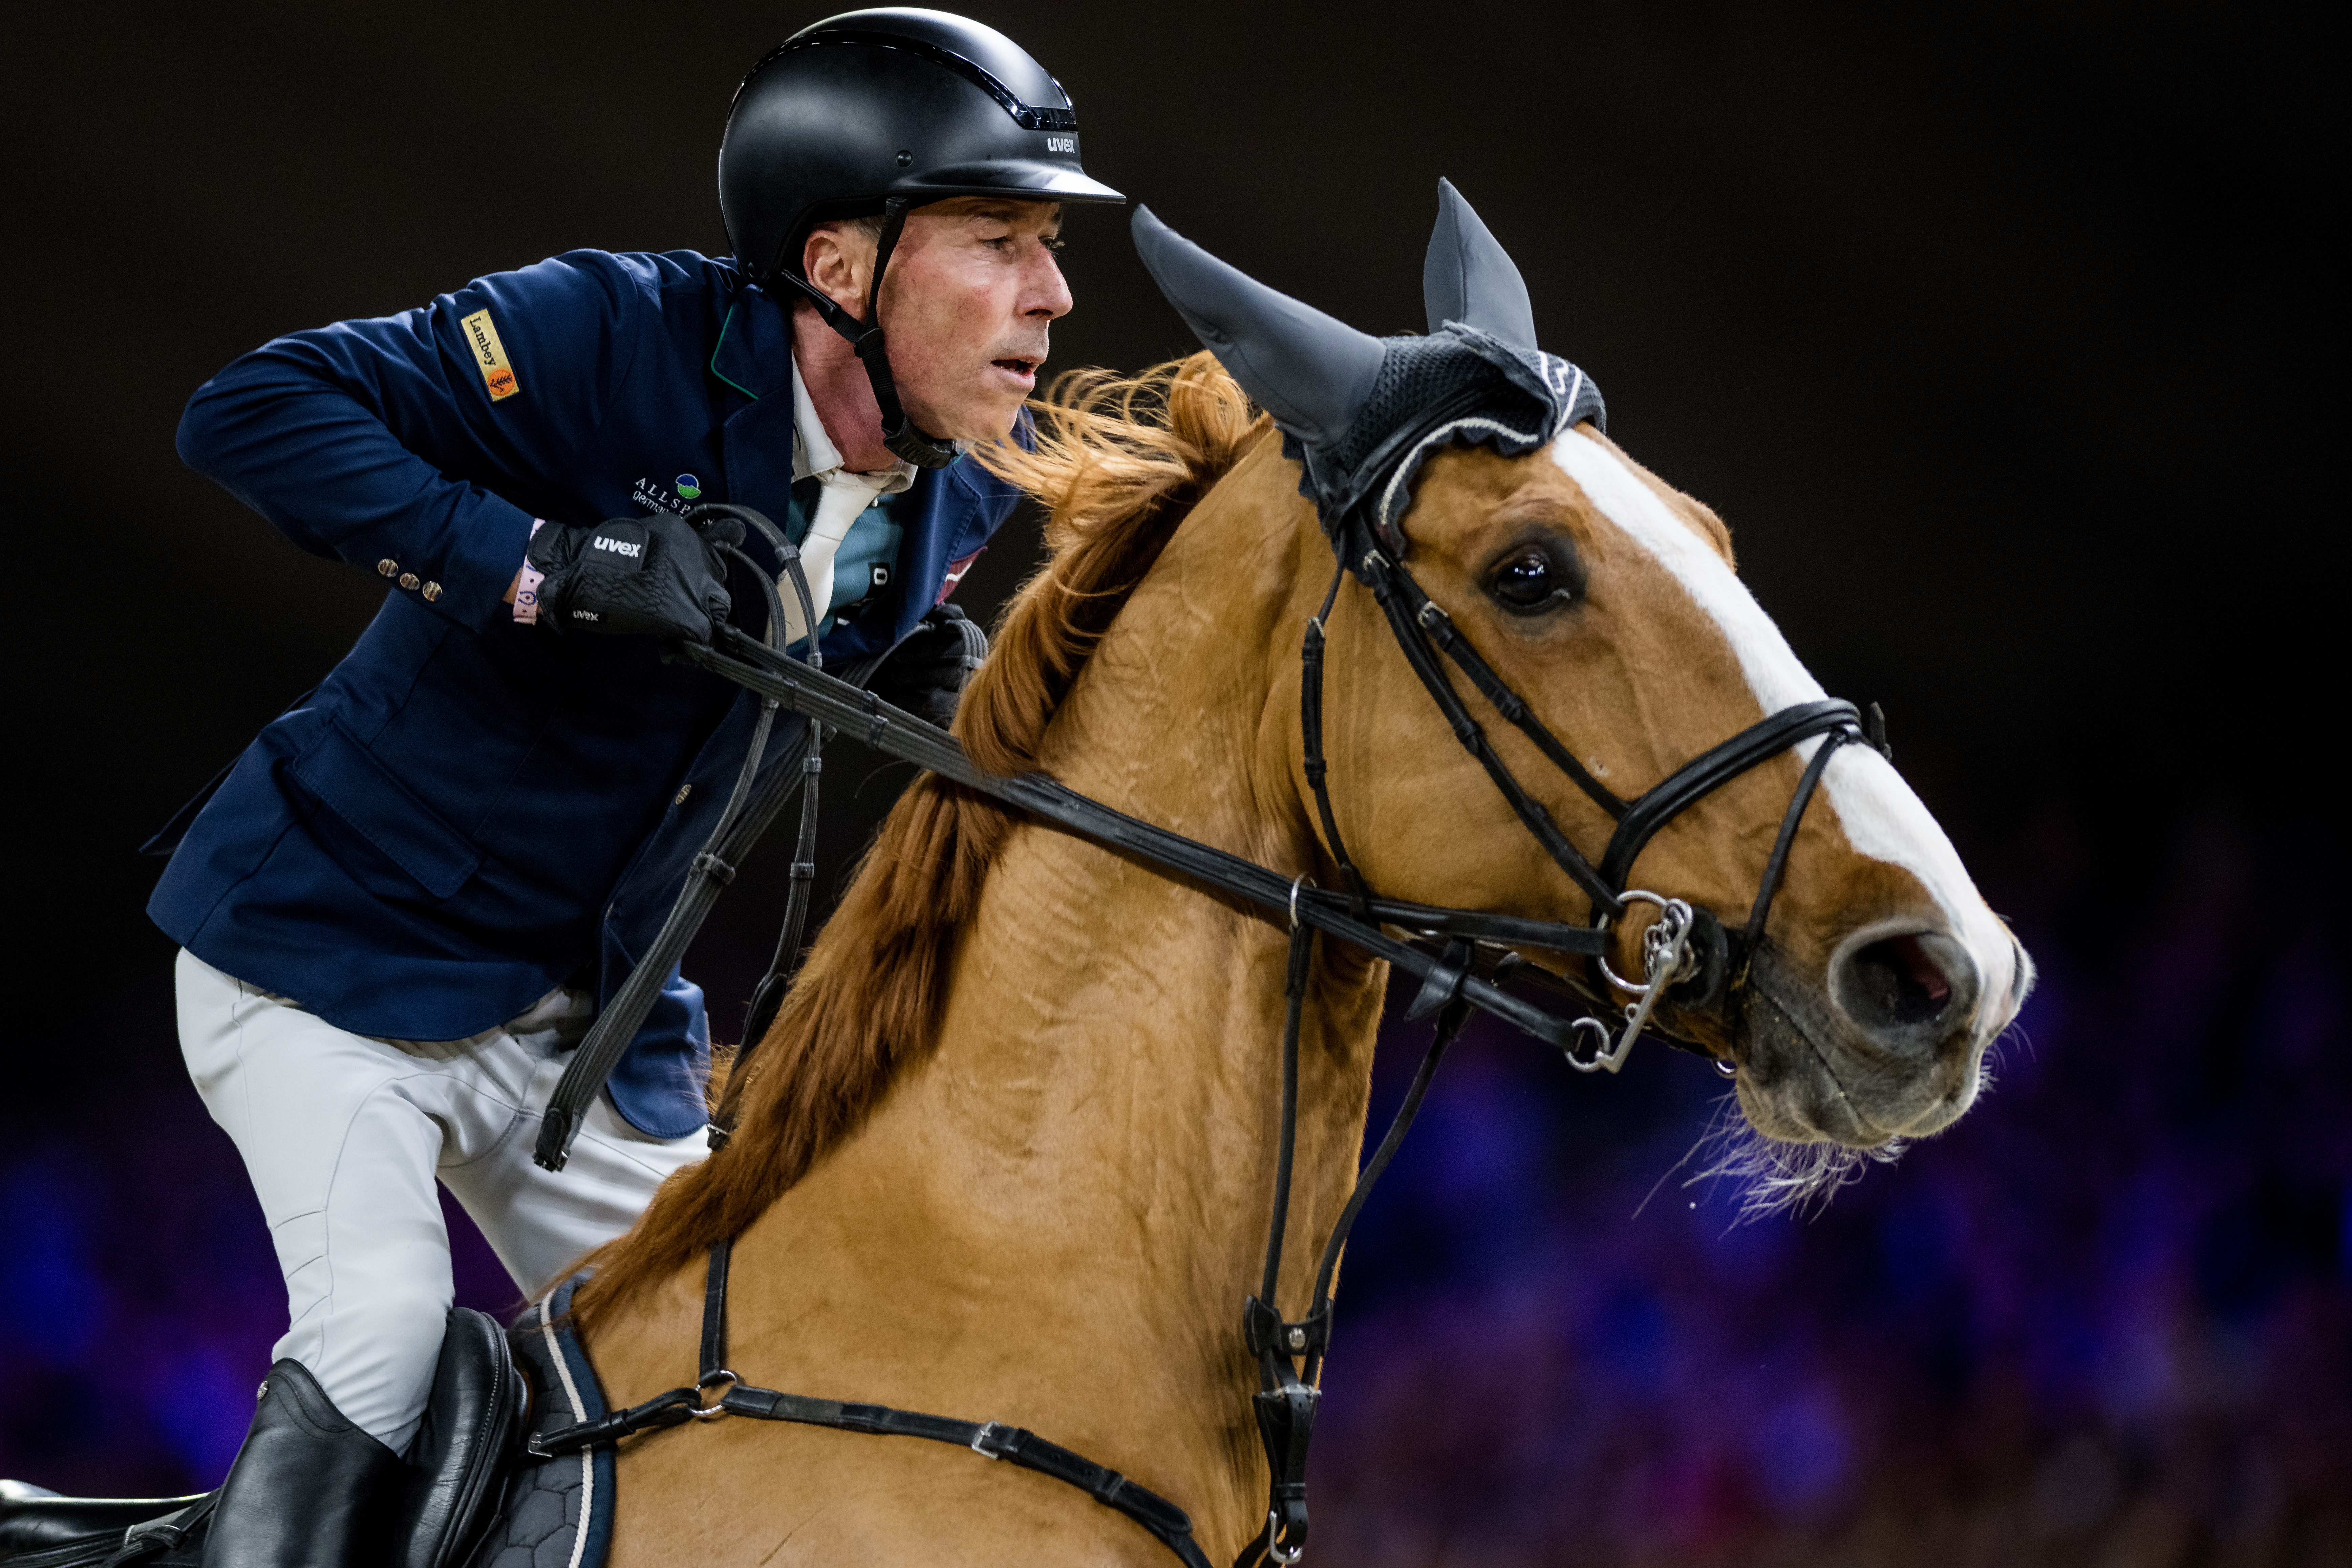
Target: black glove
x=653, y=576
x=925, y=673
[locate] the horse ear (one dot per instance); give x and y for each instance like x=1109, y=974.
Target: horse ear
x=1311, y=372
x=1469, y=278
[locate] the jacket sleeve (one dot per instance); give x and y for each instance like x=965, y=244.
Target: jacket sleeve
x=382, y=441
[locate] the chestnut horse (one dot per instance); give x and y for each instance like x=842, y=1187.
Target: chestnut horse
x=1007, y=1151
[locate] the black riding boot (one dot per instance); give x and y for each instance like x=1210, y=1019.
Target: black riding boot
x=34, y=1520
x=309, y=1490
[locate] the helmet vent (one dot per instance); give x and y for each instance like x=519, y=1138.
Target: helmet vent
x=1028, y=116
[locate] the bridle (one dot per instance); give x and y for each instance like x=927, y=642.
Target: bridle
x=1461, y=958
x=1685, y=948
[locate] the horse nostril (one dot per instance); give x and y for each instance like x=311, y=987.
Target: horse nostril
x=1895, y=982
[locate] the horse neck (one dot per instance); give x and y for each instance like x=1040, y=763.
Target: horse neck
x=1079, y=1178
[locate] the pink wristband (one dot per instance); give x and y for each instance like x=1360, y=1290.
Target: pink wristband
x=527, y=582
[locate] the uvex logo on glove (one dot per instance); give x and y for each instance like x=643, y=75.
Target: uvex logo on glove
x=652, y=576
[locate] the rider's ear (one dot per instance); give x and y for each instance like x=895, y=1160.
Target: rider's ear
x=833, y=264
x=1469, y=278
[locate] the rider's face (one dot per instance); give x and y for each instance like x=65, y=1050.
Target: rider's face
x=971, y=288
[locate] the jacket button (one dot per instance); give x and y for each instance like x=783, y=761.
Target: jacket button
x=408, y=579
x=388, y=567
x=432, y=589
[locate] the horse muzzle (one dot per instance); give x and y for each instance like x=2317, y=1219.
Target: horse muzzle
x=1886, y=1040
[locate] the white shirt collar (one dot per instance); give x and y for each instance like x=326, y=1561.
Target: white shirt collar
x=814, y=453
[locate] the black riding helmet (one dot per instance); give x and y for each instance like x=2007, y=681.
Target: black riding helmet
x=877, y=112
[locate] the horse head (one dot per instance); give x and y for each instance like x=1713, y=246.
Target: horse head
x=1671, y=746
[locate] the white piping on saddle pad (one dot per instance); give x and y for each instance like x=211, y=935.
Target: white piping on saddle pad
x=579, y=1412
x=1883, y=818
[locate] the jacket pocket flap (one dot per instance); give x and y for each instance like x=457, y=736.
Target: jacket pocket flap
x=381, y=809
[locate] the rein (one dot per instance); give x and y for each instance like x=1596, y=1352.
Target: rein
x=741, y=826
x=1459, y=956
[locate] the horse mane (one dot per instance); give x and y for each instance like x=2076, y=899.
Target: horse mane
x=1119, y=460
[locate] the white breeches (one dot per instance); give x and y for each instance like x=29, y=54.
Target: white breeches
x=344, y=1136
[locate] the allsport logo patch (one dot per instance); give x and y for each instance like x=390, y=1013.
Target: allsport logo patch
x=619, y=546
x=648, y=496
x=489, y=355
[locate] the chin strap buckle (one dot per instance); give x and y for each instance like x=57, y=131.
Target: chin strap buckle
x=914, y=446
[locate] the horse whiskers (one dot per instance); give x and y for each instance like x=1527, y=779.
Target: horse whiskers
x=1770, y=1177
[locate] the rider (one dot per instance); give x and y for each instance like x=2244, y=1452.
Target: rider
x=410, y=896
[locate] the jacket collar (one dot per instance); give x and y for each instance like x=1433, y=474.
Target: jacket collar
x=754, y=354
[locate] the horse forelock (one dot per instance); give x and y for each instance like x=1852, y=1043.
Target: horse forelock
x=1119, y=461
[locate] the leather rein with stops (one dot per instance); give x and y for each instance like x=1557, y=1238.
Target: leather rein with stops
x=1447, y=953
x=741, y=822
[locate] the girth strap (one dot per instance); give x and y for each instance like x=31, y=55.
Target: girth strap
x=1168, y=1523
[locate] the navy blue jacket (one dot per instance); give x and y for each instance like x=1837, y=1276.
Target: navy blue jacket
x=470, y=812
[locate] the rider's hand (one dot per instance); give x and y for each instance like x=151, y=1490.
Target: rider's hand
x=925, y=673
x=654, y=576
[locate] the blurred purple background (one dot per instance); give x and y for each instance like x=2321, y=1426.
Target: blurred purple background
x=2108, y=1317
x=1992, y=335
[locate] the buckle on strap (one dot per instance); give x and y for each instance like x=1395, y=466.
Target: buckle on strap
x=1266, y=1333
x=993, y=1440
x=1274, y=1549
x=1286, y=1421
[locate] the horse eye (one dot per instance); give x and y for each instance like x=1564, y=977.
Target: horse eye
x=1527, y=581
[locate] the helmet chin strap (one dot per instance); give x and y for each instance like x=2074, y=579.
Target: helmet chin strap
x=898, y=432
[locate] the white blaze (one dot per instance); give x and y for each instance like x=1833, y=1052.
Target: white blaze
x=1882, y=818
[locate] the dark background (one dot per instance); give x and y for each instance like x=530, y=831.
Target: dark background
x=1992, y=332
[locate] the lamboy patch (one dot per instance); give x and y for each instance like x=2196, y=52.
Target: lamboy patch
x=490, y=355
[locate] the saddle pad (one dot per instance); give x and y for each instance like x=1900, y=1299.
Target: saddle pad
x=558, y=1512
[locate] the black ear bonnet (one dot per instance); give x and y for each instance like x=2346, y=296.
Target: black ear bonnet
x=1363, y=413
x=1457, y=384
